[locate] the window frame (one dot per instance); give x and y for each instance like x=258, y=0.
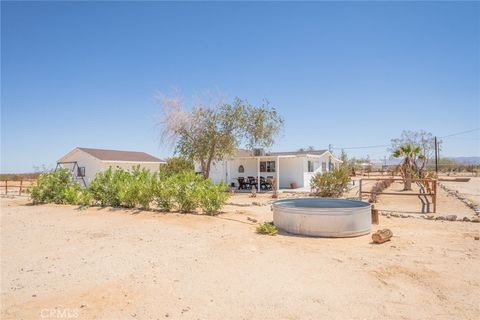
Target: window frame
x=81, y=171
x=267, y=166
x=310, y=166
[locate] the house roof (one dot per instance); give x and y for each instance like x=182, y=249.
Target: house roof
x=297, y=153
x=248, y=153
x=118, y=155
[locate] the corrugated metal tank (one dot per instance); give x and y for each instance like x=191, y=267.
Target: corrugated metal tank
x=323, y=217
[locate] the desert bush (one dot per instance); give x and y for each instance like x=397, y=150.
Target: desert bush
x=267, y=228
x=136, y=188
x=104, y=188
x=176, y=165
x=187, y=186
x=212, y=197
x=164, y=191
x=55, y=187
x=330, y=184
x=126, y=188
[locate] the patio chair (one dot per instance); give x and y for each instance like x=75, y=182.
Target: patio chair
x=252, y=182
x=241, y=183
x=269, y=182
x=263, y=184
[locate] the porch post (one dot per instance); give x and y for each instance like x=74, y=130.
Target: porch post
x=277, y=169
x=258, y=174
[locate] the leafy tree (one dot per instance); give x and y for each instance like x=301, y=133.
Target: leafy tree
x=409, y=168
x=425, y=141
x=208, y=134
x=176, y=165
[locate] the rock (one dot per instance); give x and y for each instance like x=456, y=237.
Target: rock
x=254, y=203
x=477, y=238
x=475, y=219
x=451, y=217
x=403, y=216
x=394, y=215
x=429, y=217
x=252, y=219
x=466, y=219
x=440, y=218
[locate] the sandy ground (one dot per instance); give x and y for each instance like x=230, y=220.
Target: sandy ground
x=62, y=262
x=446, y=204
x=471, y=189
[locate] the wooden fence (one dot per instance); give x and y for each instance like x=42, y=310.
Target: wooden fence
x=429, y=185
x=15, y=187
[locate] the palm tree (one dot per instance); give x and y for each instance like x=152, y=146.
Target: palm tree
x=408, y=167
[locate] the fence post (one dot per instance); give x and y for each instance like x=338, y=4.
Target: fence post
x=6, y=188
x=360, y=190
x=434, y=196
x=20, y=190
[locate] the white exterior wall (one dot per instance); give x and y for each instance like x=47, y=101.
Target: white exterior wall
x=218, y=171
x=291, y=170
x=92, y=165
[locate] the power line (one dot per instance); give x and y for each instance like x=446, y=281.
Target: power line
x=388, y=145
x=365, y=147
x=459, y=133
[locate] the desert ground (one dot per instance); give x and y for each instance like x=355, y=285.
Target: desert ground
x=105, y=263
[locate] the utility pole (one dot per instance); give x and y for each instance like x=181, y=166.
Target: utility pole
x=436, y=155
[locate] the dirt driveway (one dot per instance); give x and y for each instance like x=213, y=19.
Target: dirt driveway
x=62, y=262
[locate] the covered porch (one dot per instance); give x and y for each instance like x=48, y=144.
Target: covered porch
x=263, y=171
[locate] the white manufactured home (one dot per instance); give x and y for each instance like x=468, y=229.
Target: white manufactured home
x=289, y=169
x=85, y=163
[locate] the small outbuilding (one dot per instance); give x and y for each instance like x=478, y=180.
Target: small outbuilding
x=85, y=163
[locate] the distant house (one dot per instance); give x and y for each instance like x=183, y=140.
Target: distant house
x=289, y=169
x=85, y=163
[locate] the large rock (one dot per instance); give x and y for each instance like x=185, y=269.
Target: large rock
x=451, y=217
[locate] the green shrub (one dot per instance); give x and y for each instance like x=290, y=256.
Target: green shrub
x=330, y=184
x=176, y=165
x=55, y=187
x=135, y=188
x=186, y=186
x=212, y=197
x=267, y=228
x=85, y=197
x=164, y=191
x=185, y=191
x=126, y=188
x=104, y=188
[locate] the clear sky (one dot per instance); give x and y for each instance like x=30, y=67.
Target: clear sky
x=346, y=74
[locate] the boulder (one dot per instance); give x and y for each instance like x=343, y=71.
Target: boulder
x=451, y=217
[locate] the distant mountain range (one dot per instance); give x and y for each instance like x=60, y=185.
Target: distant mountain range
x=466, y=160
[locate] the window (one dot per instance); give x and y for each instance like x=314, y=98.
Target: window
x=81, y=171
x=241, y=169
x=324, y=166
x=267, y=166
x=310, y=166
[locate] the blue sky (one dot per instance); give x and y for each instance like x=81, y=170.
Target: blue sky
x=346, y=74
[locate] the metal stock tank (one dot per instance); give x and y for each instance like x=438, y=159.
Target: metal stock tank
x=323, y=217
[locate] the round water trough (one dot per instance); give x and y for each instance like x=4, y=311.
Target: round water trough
x=323, y=217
